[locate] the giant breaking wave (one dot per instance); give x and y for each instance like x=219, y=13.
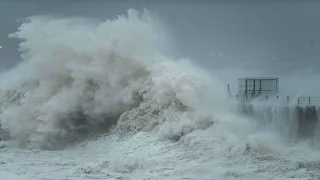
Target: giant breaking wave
x=79, y=78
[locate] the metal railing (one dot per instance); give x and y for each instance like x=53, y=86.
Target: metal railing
x=298, y=101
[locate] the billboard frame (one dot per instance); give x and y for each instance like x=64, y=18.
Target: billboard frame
x=250, y=89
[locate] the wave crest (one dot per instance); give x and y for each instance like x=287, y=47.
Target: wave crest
x=77, y=79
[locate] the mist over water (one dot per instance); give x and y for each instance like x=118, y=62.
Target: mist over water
x=80, y=78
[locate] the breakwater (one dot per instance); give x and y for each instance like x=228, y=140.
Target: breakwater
x=298, y=116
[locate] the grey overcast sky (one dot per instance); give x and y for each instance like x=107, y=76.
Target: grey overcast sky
x=266, y=36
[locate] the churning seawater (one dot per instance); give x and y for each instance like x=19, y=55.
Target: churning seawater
x=102, y=100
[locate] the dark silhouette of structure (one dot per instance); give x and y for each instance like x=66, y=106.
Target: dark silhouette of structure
x=251, y=88
x=303, y=110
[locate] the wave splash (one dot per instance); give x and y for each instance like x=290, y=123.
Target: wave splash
x=78, y=78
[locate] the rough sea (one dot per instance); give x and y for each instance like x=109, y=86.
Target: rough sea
x=101, y=100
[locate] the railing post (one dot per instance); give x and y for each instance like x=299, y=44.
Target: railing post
x=298, y=101
x=287, y=99
x=309, y=101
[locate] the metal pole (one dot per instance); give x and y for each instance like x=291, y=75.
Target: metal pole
x=260, y=87
x=253, y=94
x=230, y=96
x=246, y=88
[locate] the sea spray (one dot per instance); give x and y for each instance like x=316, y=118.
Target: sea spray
x=77, y=79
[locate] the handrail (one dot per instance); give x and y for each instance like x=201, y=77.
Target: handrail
x=299, y=100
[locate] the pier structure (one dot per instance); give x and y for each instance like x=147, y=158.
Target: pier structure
x=258, y=97
x=252, y=88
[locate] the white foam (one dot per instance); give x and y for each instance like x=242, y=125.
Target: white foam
x=75, y=74
x=10, y=176
x=78, y=74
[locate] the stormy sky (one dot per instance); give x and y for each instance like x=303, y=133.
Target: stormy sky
x=260, y=37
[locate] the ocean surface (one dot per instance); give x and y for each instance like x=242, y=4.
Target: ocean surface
x=102, y=100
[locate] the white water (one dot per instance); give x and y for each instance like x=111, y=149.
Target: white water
x=156, y=117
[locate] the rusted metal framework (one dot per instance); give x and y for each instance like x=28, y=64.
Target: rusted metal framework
x=250, y=88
